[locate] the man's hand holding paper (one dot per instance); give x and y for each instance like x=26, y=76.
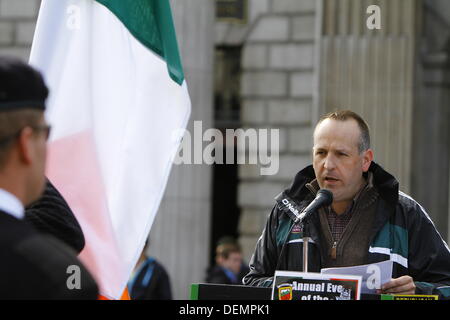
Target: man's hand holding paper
x=402, y=285
x=375, y=277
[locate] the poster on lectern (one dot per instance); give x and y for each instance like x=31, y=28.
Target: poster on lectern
x=290, y=285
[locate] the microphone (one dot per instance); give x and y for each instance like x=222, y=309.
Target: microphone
x=323, y=198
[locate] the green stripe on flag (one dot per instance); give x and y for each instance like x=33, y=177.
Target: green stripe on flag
x=150, y=22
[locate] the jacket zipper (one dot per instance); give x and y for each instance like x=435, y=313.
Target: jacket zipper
x=333, y=253
x=333, y=250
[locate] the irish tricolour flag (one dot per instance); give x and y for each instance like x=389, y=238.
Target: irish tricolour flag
x=118, y=106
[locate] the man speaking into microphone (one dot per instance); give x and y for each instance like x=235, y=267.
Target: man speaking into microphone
x=369, y=220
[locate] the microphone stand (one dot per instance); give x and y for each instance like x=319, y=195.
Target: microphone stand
x=306, y=238
x=323, y=197
x=304, y=221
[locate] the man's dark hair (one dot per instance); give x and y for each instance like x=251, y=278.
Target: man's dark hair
x=224, y=250
x=21, y=86
x=343, y=115
x=227, y=245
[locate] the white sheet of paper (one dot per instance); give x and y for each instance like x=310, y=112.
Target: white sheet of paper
x=373, y=275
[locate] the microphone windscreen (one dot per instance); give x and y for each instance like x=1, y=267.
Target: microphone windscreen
x=327, y=195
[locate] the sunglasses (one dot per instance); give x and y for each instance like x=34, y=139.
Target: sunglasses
x=43, y=128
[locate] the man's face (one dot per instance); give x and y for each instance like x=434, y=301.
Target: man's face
x=233, y=262
x=337, y=163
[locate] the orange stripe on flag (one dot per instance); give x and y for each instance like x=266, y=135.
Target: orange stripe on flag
x=125, y=296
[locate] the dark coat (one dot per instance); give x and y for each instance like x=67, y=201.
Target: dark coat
x=35, y=266
x=402, y=231
x=151, y=282
x=216, y=274
x=52, y=215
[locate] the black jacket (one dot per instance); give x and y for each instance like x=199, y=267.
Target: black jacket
x=217, y=274
x=36, y=266
x=52, y=215
x=402, y=232
x=151, y=282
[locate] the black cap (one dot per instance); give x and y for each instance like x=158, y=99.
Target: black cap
x=21, y=86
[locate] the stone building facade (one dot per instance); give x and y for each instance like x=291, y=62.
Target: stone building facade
x=301, y=59
x=279, y=87
x=17, y=24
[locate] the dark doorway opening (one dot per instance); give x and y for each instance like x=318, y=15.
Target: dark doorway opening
x=225, y=209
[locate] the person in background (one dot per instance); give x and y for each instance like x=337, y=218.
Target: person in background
x=150, y=281
x=229, y=267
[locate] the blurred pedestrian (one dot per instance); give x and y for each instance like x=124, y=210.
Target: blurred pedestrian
x=150, y=280
x=229, y=267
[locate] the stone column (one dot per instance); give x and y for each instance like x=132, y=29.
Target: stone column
x=431, y=160
x=432, y=139
x=180, y=235
x=372, y=73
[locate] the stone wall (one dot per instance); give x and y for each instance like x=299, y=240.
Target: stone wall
x=278, y=87
x=17, y=24
x=303, y=58
x=431, y=134
x=372, y=72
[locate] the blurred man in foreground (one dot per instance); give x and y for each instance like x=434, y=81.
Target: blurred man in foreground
x=34, y=266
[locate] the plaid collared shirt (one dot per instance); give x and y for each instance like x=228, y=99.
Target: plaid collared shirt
x=338, y=222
